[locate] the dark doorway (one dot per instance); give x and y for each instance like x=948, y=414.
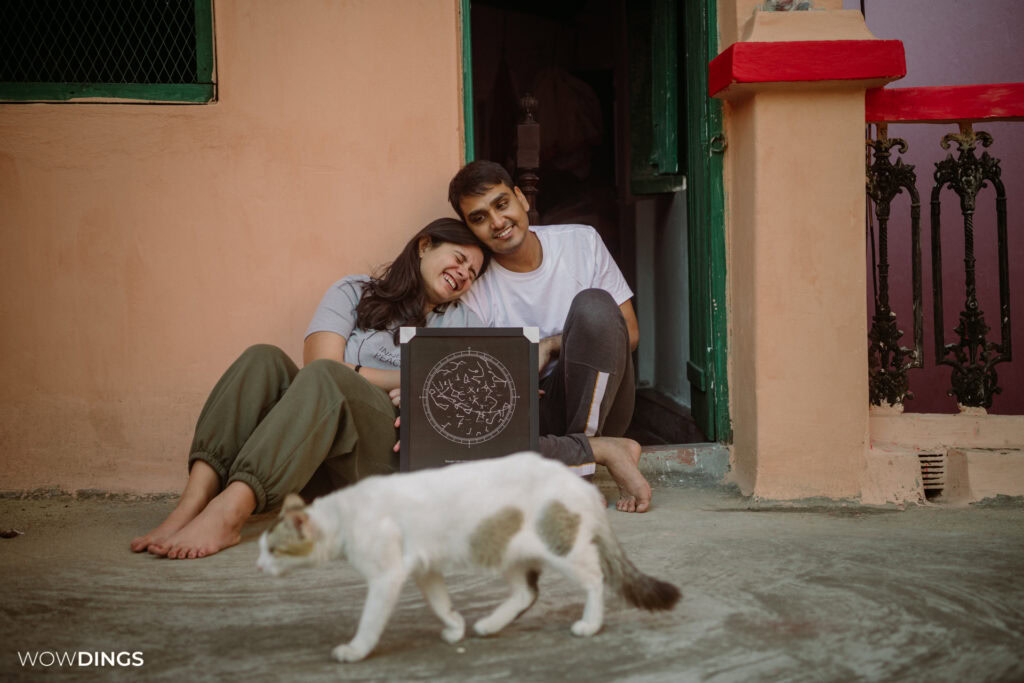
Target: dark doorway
x=569, y=57
x=573, y=59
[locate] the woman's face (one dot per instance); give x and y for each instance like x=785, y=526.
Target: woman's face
x=447, y=269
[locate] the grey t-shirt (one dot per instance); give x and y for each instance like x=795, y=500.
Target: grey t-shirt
x=373, y=348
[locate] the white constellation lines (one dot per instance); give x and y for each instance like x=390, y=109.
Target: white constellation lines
x=469, y=397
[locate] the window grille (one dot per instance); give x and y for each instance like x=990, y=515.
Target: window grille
x=128, y=49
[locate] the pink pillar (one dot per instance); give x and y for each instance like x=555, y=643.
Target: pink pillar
x=795, y=216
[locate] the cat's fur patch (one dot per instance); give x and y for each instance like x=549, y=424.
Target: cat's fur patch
x=488, y=541
x=515, y=515
x=558, y=527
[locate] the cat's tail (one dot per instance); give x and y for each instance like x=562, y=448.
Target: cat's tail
x=622, y=576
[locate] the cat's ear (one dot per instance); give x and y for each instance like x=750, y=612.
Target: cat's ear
x=294, y=512
x=292, y=502
x=305, y=526
x=299, y=521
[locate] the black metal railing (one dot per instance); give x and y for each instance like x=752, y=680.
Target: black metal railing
x=888, y=362
x=973, y=355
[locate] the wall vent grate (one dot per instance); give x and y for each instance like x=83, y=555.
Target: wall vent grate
x=933, y=473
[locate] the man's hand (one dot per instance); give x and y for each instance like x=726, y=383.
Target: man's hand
x=548, y=349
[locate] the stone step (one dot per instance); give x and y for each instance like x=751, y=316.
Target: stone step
x=693, y=464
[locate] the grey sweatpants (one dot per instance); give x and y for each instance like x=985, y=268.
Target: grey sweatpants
x=591, y=390
x=272, y=426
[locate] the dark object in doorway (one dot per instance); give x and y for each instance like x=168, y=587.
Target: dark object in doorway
x=657, y=419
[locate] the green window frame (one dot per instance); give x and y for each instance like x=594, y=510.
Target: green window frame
x=658, y=156
x=201, y=91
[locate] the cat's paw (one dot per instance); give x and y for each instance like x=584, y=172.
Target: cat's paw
x=455, y=632
x=585, y=629
x=347, y=653
x=487, y=627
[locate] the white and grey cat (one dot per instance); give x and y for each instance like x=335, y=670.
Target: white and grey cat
x=514, y=515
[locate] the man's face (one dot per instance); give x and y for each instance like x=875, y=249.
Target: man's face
x=498, y=217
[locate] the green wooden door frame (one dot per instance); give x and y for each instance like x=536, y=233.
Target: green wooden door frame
x=469, y=137
x=707, y=369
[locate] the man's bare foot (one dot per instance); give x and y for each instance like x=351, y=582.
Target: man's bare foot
x=217, y=527
x=622, y=458
x=203, y=484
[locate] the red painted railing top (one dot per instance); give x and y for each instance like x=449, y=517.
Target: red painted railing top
x=994, y=102
x=806, y=61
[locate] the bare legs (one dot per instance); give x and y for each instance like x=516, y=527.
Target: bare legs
x=204, y=521
x=622, y=458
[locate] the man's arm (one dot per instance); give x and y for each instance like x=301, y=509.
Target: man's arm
x=631, y=324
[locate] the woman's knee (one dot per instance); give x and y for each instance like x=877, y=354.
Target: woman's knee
x=329, y=371
x=324, y=366
x=266, y=358
x=264, y=352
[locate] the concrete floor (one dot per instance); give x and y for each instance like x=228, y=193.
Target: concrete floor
x=811, y=593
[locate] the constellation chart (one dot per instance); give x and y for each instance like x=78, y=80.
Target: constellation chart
x=469, y=397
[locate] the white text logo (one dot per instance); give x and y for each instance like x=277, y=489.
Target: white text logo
x=51, y=658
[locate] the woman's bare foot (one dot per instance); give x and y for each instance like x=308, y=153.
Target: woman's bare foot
x=203, y=484
x=622, y=458
x=217, y=527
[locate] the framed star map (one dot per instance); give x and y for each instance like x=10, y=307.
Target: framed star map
x=467, y=393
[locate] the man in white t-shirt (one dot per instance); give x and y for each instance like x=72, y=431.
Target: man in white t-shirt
x=561, y=279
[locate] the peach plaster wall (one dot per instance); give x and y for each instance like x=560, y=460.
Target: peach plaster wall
x=145, y=246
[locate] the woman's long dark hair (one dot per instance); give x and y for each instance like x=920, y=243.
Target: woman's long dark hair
x=396, y=297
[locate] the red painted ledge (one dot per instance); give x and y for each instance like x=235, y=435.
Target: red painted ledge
x=806, y=61
x=998, y=101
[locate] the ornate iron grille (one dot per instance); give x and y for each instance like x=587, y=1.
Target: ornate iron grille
x=888, y=362
x=973, y=357
x=114, y=41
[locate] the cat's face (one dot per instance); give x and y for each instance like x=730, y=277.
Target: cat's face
x=291, y=542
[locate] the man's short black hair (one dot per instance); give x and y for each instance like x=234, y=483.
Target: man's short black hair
x=476, y=178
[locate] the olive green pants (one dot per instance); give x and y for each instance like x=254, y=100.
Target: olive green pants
x=273, y=426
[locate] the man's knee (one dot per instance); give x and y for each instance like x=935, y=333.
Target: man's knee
x=594, y=312
x=594, y=299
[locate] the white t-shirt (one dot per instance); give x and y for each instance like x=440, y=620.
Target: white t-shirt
x=574, y=259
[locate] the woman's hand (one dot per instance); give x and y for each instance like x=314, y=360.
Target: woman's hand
x=396, y=399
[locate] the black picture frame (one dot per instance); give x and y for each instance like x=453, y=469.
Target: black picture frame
x=468, y=393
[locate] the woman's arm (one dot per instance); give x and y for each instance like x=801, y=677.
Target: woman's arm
x=332, y=346
x=323, y=345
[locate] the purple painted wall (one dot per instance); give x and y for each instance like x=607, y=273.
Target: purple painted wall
x=951, y=42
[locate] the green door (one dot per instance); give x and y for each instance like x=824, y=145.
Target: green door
x=671, y=47
x=705, y=143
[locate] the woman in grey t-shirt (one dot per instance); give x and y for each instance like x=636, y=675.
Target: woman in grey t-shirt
x=267, y=426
